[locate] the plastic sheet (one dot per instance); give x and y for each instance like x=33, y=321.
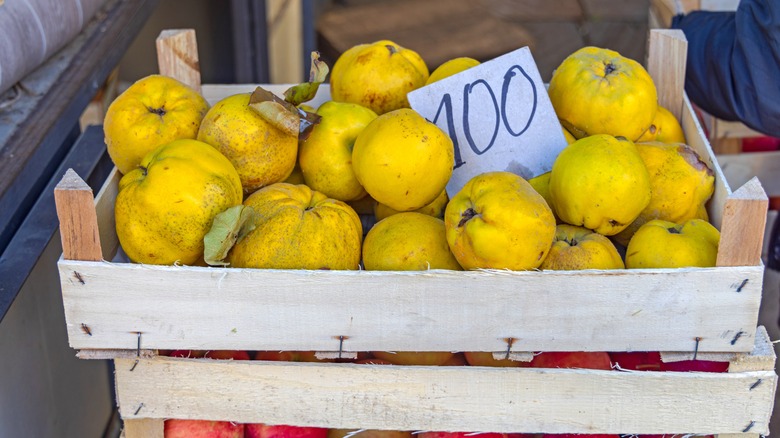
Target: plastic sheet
x=33, y=30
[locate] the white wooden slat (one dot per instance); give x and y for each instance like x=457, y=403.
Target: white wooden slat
x=104, y=206
x=144, y=428
x=223, y=308
x=740, y=168
x=698, y=141
x=761, y=358
x=742, y=231
x=446, y=398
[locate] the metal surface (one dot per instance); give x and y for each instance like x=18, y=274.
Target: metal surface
x=89, y=159
x=37, y=130
x=250, y=41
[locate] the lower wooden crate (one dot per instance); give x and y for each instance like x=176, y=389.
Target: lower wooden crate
x=343, y=395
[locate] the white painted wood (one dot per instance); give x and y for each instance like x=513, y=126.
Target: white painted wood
x=104, y=205
x=666, y=64
x=224, y=308
x=446, y=398
x=761, y=358
x=740, y=168
x=744, y=221
x=698, y=141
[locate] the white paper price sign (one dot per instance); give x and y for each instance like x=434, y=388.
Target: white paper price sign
x=498, y=115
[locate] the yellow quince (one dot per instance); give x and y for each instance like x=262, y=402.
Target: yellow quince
x=403, y=160
x=598, y=91
x=600, y=182
x=166, y=206
x=154, y=111
x=377, y=76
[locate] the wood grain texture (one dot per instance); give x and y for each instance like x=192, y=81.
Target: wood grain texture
x=666, y=61
x=446, y=398
x=252, y=309
x=741, y=168
x=104, y=206
x=761, y=358
x=698, y=141
x=144, y=428
x=78, y=219
x=744, y=220
x=177, y=56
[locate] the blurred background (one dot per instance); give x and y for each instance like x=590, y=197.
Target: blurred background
x=437, y=29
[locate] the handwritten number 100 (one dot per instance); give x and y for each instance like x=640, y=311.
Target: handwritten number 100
x=499, y=111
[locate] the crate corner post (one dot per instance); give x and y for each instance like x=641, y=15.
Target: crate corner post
x=78, y=219
x=177, y=56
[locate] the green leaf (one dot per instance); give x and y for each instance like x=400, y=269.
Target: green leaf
x=280, y=114
x=228, y=227
x=306, y=91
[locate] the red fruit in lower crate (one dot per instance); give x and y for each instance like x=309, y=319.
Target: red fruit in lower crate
x=471, y=435
x=637, y=361
x=202, y=429
x=260, y=430
x=228, y=354
x=705, y=366
x=562, y=359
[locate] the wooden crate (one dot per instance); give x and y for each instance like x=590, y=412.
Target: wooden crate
x=127, y=311
x=450, y=398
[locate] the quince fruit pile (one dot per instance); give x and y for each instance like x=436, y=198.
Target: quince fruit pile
x=258, y=181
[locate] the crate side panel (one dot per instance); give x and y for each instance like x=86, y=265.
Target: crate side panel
x=698, y=141
x=446, y=398
x=209, y=308
x=104, y=207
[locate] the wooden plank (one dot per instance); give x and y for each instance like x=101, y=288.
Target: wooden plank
x=177, y=56
x=114, y=354
x=761, y=358
x=742, y=232
x=446, y=398
x=741, y=168
x=723, y=129
x=698, y=141
x=438, y=30
x=78, y=220
x=222, y=308
x=723, y=146
x=285, y=41
x=739, y=435
x=666, y=60
x=144, y=428
x=104, y=206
